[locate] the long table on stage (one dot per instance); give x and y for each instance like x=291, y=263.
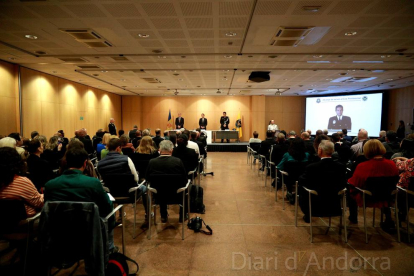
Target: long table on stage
x=225, y=134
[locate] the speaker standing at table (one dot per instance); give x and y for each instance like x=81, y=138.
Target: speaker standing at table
x=224, y=124
x=202, y=122
x=179, y=122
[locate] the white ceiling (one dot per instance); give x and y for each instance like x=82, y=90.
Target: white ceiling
x=198, y=58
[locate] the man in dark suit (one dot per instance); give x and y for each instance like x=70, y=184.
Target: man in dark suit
x=266, y=145
x=179, y=122
x=345, y=135
x=224, y=123
x=157, y=139
x=327, y=177
x=166, y=164
x=202, y=122
x=339, y=122
x=87, y=143
x=308, y=143
x=132, y=132
x=112, y=127
x=186, y=154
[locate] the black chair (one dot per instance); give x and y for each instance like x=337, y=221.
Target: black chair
x=15, y=226
x=124, y=189
x=73, y=231
x=141, y=165
x=376, y=190
x=408, y=197
x=324, y=204
x=167, y=189
x=290, y=175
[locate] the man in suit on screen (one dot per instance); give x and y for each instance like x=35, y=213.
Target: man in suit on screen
x=179, y=122
x=202, y=122
x=339, y=121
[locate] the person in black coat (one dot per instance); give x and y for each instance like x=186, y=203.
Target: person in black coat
x=157, y=139
x=166, y=164
x=327, y=177
x=187, y=155
x=267, y=144
x=202, y=122
x=40, y=171
x=112, y=127
x=179, y=122
x=224, y=123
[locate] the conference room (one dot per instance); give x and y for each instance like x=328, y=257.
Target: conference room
x=213, y=74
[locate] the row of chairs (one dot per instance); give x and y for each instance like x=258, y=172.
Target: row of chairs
x=375, y=190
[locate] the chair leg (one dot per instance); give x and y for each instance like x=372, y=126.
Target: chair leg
x=365, y=219
x=182, y=226
x=396, y=217
x=27, y=248
x=310, y=217
x=407, y=209
x=123, y=230
x=275, y=184
x=330, y=220
x=283, y=192
x=344, y=218
x=373, y=217
x=296, y=205
x=149, y=208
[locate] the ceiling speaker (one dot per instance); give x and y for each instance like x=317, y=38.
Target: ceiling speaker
x=259, y=76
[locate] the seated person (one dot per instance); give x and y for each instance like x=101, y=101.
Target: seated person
x=255, y=138
x=105, y=151
x=144, y=153
x=187, y=155
x=157, y=139
x=97, y=139
x=126, y=147
x=391, y=144
x=266, y=145
x=83, y=137
x=166, y=135
x=116, y=163
x=138, y=136
x=102, y=145
x=194, y=136
x=191, y=144
x=326, y=176
x=167, y=164
x=53, y=152
x=406, y=149
x=279, y=150
x=40, y=171
x=342, y=151
x=19, y=143
x=376, y=166
x=89, y=169
x=73, y=185
x=308, y=143
x=406, y=168
x=13, y=186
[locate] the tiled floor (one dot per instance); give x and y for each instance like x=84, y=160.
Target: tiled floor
x=253, y=235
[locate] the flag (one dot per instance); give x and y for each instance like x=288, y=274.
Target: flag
x=169, y=123
x=239, y=128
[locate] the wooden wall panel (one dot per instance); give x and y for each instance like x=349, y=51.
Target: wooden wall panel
x=51, y=103
x=9, y=99
x=400, y=107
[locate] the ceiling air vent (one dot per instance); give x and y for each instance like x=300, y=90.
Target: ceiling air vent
x=120, y=58
x=88, y=66
x=89, y=37
x=293, y=36
x=245, y=92
x=353, y=79
x=151, y=80
x=72, y=59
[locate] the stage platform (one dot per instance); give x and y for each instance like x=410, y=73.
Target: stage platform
x=227, y=147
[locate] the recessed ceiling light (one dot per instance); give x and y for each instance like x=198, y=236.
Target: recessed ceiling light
x=224, y=79
x=80, y=80
x=328, y=79
x=54, y=72
x=318, y=56
x=99, y=86
x=390, y=79
x=285, y=79
x=104, y=71
x=387, y=56
x=123, y=79
x=350, y=33
x=180, y=79
x=143, y=35
x=231, y=34
x=228, y=56
x=12, y=58
x=311, y=8
x=30, y=36
x=162, y=57
x=226, y=70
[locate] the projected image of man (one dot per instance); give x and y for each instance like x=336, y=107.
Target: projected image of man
x=339, y=121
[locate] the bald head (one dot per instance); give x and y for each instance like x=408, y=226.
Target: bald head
x=362, y=135
x=304, y=135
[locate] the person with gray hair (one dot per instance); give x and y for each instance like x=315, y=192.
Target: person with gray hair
x=8, y=142
x=325, y=131
x=166, y=164
x=111, y=126
x=382, y=135
x=357, y=148
x=327, y=177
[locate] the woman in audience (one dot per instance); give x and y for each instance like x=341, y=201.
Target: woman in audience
x=375, y=166
x=406, y=168
x=89, y=170
x=42, y=139
x=105, y=151
x=14, y=186
x=53, y=152
x=406, y=149
x=126, y=147
x=401, y=130
x=144, y=153
x=102, y=145
x=40, y=171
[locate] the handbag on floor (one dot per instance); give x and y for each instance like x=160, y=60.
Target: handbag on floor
x=118, y=266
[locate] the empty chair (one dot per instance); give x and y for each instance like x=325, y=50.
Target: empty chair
x=168, y=189
x=125, y=190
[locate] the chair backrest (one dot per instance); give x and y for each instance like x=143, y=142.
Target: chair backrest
x=119, y=184
x=411, y=184
x=12, y=211
x=167, y=186
x=294, y=169
x=141, y=166
x=72, y=231
x=381, y=187
x=128, y=151
x=255, y=146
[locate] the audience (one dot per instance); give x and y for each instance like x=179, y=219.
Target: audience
x=157, y=139
x=126, y=147
x=97, y=139
x=187, y=155
x=19, y=143
x=406, y=149
x=346, y=137
x=105, y=151
x=308, y=143
x=401, y=130
x=391, y=144
x=8, y=142
x=40, y=171
x=357, y=148
x=194, y=138
x=87, y=143
x=137, y=139
x=132, y=133
x=102, y=145
x=376, y=166
x=14, y=186
x=266, y=145
x=382, y=135
x=166, y=133
x=405, y=167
